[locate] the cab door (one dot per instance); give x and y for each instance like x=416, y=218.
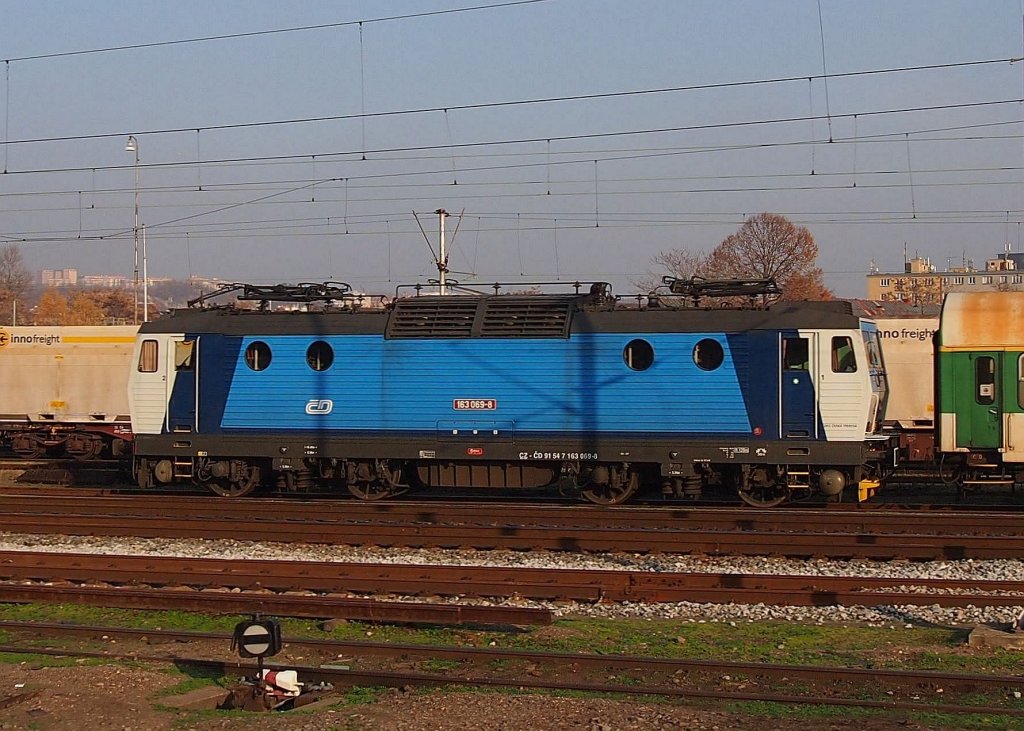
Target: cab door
x=978, y=398
x=183, y=404
x=798, y=404
x=150, y=382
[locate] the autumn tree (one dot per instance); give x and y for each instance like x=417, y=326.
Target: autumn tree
x=117, y=304
x=769, y=246
x=52, y=309
x=766, y=246
x=83, y=310
x=15, y=280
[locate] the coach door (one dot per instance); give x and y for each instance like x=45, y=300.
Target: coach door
x=978, y=398
x=1013, y=407
x=798, y=406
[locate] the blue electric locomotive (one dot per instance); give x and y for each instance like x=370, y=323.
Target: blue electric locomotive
x=578, y=391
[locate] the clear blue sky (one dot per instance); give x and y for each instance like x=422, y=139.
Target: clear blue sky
x=244, y=200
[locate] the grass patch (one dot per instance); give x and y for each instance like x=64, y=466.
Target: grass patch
x=192, y=679
x=439, y=666
x=808, y=712
x=49, y=661
x=894, y=646
x=362, y=696
x=138, y=619
x=826, y=714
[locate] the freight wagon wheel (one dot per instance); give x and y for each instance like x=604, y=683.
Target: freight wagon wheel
x=28, y=446
x=618, y=488
x=90, y=449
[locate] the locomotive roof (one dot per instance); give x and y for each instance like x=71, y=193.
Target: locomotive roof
x=981, y=320
x=506, y=316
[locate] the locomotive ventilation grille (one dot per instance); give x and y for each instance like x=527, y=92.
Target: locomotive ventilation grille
x=501, y=316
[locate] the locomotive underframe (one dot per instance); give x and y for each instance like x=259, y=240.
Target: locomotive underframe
x=602, y=469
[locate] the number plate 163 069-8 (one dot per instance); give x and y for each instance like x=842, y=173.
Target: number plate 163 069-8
x=474, y=404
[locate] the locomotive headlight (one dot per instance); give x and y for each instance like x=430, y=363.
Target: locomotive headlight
x=758, y=431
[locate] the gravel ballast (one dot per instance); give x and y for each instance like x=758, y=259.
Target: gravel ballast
x=902, y=572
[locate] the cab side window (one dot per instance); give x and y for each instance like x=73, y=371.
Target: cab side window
x=843, y=358
x=183, y=355
x=795, y=354
x=148, y=356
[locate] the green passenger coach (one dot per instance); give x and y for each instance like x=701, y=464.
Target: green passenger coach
x=980, y=387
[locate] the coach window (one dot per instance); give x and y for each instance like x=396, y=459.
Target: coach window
x=639, y=355
x=319, y=356
x=843, y=358
x=985, y=380
x=708, y=354
x=1020, y=381
x=795, y=354
x=183, y=355
x=148, y=356
x=257, y=356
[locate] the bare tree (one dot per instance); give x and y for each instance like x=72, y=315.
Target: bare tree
x=681, y=263
x=769, y=246
x=15, y=280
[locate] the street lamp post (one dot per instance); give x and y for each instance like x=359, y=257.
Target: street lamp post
x=145, y=279
x=133, y=146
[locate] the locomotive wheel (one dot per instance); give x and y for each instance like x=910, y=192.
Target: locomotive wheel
x=373, y=490
x=234, y=488
x=765, y=496
x=226, y=488
x=615, y=490
x=386, y=483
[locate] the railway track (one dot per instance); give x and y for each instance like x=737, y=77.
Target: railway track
x=872, y=534
x=704, y=679
x=283, y=605
x=589, y=585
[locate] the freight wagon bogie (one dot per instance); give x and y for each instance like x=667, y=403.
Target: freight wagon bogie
x=82, y=443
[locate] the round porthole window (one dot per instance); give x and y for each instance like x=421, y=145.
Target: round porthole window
x=708, y=354
x=257, y=355
x=320, y=355
x=638, y=355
